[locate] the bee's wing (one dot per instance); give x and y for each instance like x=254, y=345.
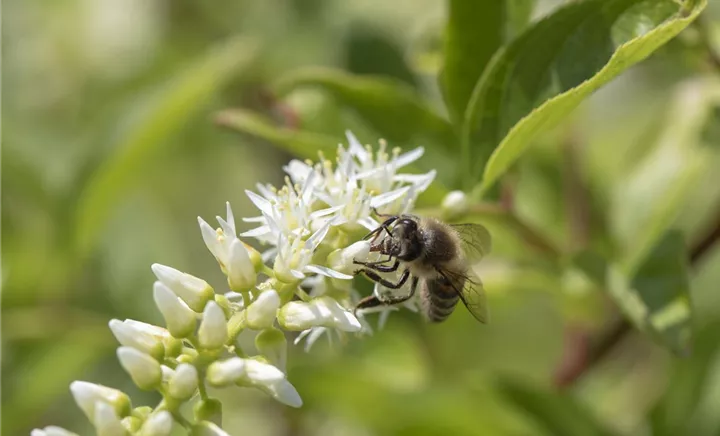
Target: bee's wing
x=472, y=294
x=476, y=240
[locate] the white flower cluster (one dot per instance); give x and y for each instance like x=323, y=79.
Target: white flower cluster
x=314, y=227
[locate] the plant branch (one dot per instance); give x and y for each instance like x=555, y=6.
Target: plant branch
x=583, y=350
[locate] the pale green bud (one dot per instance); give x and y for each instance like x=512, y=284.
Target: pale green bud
x=207, y=429
x=455, y=203
x=213, y=327
x=323, y=311
x=261, y=312
x=225, y=372
x=180, y=319
x=184, y=382
x=158, y=424
x=193, y=291
x=142, y=412
x=106, y=421
x=143, y=369
x=208, y=410
x=130, y=335
x=131, y=423
x=87, y=395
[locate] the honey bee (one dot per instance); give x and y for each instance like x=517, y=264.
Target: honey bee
x=434, y=256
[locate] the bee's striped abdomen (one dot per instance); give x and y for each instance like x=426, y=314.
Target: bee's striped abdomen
x=438, y=299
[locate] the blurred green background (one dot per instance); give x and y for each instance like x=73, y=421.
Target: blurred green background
x=110, y=153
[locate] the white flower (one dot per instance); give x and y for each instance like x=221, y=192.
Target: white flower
x=261, y=313
x=106, y=421
x=51, y=431
x=179, y=318
x=232, y=255
x=455, y=203
x=157, y=424
x=226, y=372
x=294, y=257
x=207, y=428
x=184, y=382
x=193, y=291
x=271, y=380
x=130, y=335
x=213, y=327
x=88, y=395
x=143, y=369
x=323, y=311
x=284, y=392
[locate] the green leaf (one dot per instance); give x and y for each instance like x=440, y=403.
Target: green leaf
x=474, y=31
x=143, y=143
x=558, y=414
x=647, y=202
x=303, y=144
x=657, y=298
x=534, y=82
x=390, y=107
x=684, y=393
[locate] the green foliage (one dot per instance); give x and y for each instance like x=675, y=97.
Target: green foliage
x=169, y=108
x=537, y=80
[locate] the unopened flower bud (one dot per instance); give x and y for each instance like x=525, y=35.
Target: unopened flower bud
x=131, y=424
x=261, y=313
x=143, y=369
x=179, y=318
x=158, y=424
x=226, y=372
x=342, y=259
x=323, y=311
x=213, y=327
x=106, y=421
x=129, y=335
x=184, y=382
x=284, y=392
x=193, y=291
x=455, y=203
x=51, y=430
x=87, y=395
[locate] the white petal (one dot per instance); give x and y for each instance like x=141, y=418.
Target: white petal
x=264, y=205
x=52, y=430
x=297, y=274
x=369, y=223
x=315, y=334
x=323, y=270
x=257, y=231
x=408, y=158
x=255, y=219
x=355, y=148
x=210, y=237
x=324, y=212
x=317, y=237
x=230, y=217
x=226, y=227
x=240, y=269
x=388, y=197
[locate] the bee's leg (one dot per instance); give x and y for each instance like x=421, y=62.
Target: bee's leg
x=378, y=266
x=379, y=262
x=373, y=301
x=384, y=226
x=372, y=275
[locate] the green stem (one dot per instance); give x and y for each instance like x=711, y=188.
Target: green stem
x=202, y=389
x=236, y=324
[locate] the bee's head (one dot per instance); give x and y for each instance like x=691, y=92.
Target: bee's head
x=404, y=241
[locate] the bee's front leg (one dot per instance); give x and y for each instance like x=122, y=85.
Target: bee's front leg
x=379, y=265
x=373, y=301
